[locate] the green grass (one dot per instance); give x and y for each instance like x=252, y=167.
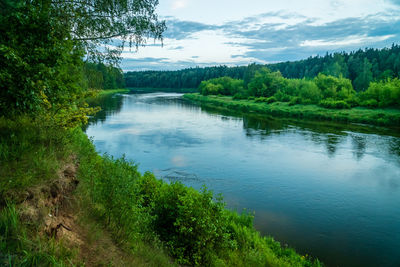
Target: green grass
x=31, y=151
x=114, y=91
x=383, y=117
x=20, y=245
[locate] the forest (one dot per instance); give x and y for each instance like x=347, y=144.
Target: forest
x=360, y=67
x=101, y=76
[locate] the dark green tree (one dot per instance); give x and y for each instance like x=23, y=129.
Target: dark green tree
x=43, y=43
x=364, y=77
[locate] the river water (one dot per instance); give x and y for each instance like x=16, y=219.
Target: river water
x=329, y=190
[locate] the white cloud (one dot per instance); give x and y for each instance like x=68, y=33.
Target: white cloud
x=178, y=4
x=350, y=40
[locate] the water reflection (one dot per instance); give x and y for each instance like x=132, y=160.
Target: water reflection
x=110, y=104
x=328, y=189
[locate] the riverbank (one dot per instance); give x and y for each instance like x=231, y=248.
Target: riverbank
x=381, y=117
x=54, y=185
x=114, y=91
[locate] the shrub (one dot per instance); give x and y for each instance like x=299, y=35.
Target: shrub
x=333, y=87
x=309, y=92
x=353, y=101
x=282, y=97
x=386, y=93
x=222, y=85
x=266, y=83
x=334, y=104
x=294, y=101
x=261, y=99
x=239, y=96
x=370, y=103
x=271, y=99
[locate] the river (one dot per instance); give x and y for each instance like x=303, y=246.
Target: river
x=329, y=190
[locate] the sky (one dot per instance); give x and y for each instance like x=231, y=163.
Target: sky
x=239, y=32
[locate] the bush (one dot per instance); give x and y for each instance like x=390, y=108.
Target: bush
x=191, y=223
x=261, y=99
x=334, y=104
x=370, y=103
x=333, y=87
x=266, y=83
x=309, y=92
x=353, y=101
x=271, y=99
x=282, y=97
x=222, y=85
x=239, y=96
x=385, y=93
x=294, y=101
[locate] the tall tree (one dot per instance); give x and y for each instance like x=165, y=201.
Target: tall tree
x=43, y=42
x=364, y=77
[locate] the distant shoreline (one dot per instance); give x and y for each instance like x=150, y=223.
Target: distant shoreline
x=379, y=117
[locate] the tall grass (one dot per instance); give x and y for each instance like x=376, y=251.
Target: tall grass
x=19, y=248
x=31, y=151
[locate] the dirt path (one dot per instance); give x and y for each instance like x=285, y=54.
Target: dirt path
x=53, y=208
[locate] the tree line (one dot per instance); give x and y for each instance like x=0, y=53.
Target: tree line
x=101, y=76
x=360, y=67
x=325, y=90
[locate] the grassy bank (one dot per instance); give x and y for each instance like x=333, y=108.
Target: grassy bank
x=149, y=220
x=114, y=91
x=384, y=117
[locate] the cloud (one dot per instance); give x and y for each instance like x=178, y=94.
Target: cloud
x=178, y=30
x=178, y=4
x=273, y=42
x=179, y=47
x=395, y=2
x=267, y=37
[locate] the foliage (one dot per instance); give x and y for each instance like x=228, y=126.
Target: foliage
x=186, y=78
x=266, y=83
x=17, y=249
x=267, y=100
x=100, y=76
x=382, y=94
x=331, y=103
x=223, y=86
x=333, y=87
x=31, y=152
x=42, y=46
x=95, y=24
x=40, y=65
x=294, y=101
x=360, y=67
x=370, y=103
x=388, y=117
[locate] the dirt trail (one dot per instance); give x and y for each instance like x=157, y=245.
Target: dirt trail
x=53, y=209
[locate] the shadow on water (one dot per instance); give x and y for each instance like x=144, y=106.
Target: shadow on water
x=109, y=104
